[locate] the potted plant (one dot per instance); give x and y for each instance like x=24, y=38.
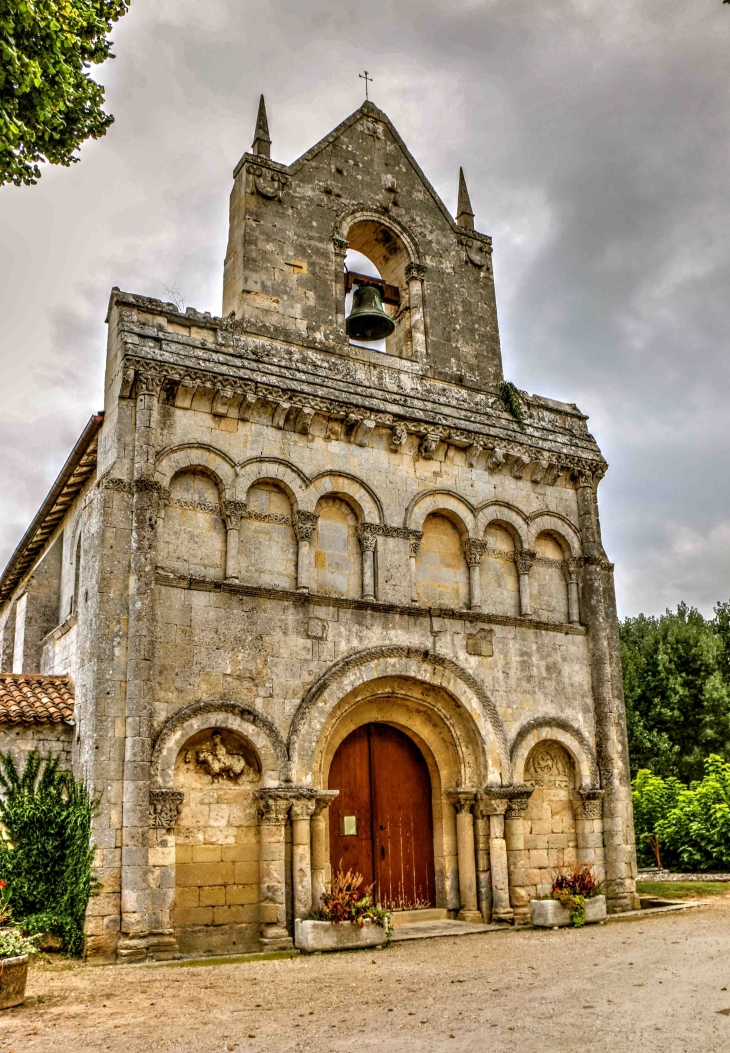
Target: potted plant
x=346, y=919
x=575, y=899
x=15, y=949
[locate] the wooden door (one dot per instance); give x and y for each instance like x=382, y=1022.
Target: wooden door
x=381, y=824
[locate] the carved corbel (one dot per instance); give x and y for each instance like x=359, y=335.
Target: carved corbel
x=185, y=393
x=221, y=401
x=552, y=473
x=304, y=420
x=165, y=808
x=398, y=437
x=519, y=462
x=495, y=460
x=125, y=390
x=363, y=432
x=248, y=402
x=428, y=446
x=281, y=411
x=473, y=454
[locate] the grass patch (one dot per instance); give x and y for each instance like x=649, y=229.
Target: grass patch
x=683, y=889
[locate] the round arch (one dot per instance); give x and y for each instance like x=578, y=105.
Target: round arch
x=443, y=501
x=221, y=714
x=544, y=729
x=506, y=515
x=368, y=506
x=568, y=536
x=451, y=693
x=292, y=481
x=370, y=220
x=197, y=457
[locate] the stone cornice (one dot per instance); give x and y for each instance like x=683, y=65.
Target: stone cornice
x=170, y=579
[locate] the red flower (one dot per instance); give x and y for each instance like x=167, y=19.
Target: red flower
x=2, y=884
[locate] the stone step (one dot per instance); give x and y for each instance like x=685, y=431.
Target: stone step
x=410, y=917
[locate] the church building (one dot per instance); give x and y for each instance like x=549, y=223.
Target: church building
x=317, y=590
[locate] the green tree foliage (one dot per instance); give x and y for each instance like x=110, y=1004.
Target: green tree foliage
x=46, y=852
x=696, y=831
x=653, y=798
x=676, y=672
x=49, y=104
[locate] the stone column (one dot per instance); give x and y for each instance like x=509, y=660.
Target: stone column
x=570, y=569
x=302, y=810
x=514, y=836
x=415, y=274
x=232, y=511
x=341, y=246
x=599, y=614
x=165, y=808
x=473, y=551
x=495, y=805
x=136, y=919
x=273, y=808
x=588, y=811
x=484, y=874
x=319, y=843
x=304, y=524
x=524, y=561
x=368, y=541
x=414, y=544
x=463, y=801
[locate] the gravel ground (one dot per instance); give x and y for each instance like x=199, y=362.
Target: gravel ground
x=653, y=983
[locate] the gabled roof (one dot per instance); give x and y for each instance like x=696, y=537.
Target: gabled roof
x=80, y=465
x=33, y=698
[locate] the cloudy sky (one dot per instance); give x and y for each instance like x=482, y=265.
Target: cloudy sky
x=596, y=141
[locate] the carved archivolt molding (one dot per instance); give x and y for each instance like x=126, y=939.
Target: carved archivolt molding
x=561, y=731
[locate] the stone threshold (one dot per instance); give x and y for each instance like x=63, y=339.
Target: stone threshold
x=428, y=930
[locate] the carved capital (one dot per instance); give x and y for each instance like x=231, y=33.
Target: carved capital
x=303, y=807
x=570, y=568
x=415, y=270
x=272, y=808
x=525, y=560
x=415, y=537
x=589, y=804
x=473, y=551
x=323, y=800
x=582, y=477
x=165, y=808
x=304, y=524
x=462, y=799
x=341, y=245
x=149, y=383
x=142, y=485
x=519, y=797
x=493, y=800
x=368, y=536
x=232, y=512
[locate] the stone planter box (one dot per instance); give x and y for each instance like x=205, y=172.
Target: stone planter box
x=13, y=976
x=551, y=914
x=313, y=936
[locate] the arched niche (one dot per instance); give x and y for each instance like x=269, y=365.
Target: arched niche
x=442, y=574
x=337, y=554
x=499, y=578
x=267, y=554
x=549, y=820
x=548, y=584
x=193, y=536
x=216, y=843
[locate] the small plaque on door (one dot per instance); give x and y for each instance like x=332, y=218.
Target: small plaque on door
x=349, y=825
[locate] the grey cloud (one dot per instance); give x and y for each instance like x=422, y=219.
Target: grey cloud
x=596, y=142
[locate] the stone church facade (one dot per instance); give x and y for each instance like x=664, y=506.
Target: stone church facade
x=295, y=601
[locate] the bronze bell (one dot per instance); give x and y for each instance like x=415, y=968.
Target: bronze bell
x=367, y=320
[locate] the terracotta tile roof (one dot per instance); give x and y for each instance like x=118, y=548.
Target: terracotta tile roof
x=32, y=698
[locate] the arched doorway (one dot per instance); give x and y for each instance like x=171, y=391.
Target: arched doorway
x=381, y=824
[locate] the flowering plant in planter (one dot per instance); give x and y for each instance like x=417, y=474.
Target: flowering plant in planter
x=346, y=901
x=573, y=889
x=13, y=943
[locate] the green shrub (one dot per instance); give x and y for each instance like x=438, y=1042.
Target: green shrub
x=653, y=799
x=697, y=829
x=45, y=852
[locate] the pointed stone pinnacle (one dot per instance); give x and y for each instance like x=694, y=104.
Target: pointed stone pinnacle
x=262, y=139
x=464, y=211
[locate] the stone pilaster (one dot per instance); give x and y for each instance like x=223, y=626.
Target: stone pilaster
x=599, y=613
x=302, y=810
x=495, y=803
x=484, y=873
x=135, y=891
x=514, y=835
x=588, y=811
